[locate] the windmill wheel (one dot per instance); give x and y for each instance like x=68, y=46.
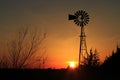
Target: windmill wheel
x=82, y=18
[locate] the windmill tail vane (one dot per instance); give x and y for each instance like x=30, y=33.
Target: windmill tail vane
x=71, y=17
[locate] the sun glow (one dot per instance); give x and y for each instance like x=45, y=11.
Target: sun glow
x=72, y=64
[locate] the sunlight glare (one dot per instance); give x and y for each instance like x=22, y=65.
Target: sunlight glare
x=72, y=64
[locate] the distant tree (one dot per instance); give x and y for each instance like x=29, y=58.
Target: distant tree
x=22, y=49
x=92, y=60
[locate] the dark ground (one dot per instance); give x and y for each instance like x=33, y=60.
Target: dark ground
x=56, y=74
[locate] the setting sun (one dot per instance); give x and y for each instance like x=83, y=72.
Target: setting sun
x=72, y=64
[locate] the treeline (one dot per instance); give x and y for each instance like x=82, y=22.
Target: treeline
x=108, y=70
x=91, y=70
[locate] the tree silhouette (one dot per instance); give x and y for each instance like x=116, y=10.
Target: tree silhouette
x=111, y=66
x=22, y=49
x=92, y=60
x=112, y=61
x=4, y=62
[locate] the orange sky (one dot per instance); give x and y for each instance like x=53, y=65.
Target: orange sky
x=62, y=42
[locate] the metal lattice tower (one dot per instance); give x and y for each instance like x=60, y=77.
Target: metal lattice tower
x=81, y=18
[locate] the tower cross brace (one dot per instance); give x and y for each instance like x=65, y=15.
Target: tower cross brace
x=83, y=47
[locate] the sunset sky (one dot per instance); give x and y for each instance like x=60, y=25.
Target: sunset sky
x=51, y=16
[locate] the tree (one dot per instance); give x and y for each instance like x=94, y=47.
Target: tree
x=22, y=48
x=112, y=62
x=4, y=62
x=92, y=60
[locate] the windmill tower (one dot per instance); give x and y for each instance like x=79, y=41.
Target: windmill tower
x=81, y=18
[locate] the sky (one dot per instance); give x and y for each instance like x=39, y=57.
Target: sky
x=51, y=17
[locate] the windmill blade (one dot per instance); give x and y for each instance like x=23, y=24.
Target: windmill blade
x=71, y=17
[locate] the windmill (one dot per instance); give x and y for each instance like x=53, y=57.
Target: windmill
x=81, y=18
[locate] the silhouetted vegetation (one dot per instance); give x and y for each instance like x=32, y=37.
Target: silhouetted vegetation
x=113, y=60
x=111, y=66
x=91, y=70
x=17, y=63
x=22, y=50
x=92, y=60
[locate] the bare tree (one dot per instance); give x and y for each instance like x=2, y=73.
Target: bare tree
x=22, y=49
x=4, y=62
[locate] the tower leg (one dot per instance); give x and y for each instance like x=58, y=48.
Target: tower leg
x=83, y=48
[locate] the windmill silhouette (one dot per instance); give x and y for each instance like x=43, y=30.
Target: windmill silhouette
x=81, y=18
